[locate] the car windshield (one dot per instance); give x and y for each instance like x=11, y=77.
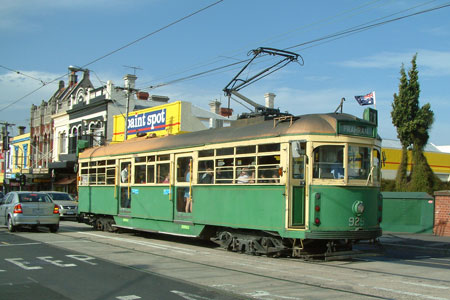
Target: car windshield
x=60, y=196
x=33, y=197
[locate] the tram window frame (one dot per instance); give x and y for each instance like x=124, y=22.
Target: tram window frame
x=376, y=165
x=206, y=153
x=161, y=175
x=272, y=147
x=111, y=175
x=227, y=166
x=140, y=173
x=326, y=161
x=361, y=173
x=84, y=175
x=227, y=151
x=204, y=169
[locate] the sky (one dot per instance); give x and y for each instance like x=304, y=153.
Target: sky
x=170, y=41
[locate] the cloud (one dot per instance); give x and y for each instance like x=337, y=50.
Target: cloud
x=430, y=62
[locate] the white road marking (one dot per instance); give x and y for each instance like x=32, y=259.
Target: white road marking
x=56, y=262
x=148, y=244
x=409, y=294
x=21, y=263
x=259, y=294
x=23, y=244
x=189, y=296
x=83, y=258
x=128, y=297
x=427, y=285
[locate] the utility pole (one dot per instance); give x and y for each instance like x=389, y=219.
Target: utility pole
x=129, y=89
x=5, y=149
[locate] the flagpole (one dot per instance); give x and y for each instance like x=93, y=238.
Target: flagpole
x=374, y=100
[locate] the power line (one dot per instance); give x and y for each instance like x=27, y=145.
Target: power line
x=334, y=36
x=152, y=33
x=23, y=74
x=108, y=54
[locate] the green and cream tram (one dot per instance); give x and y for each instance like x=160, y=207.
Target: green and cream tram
x=295, y=185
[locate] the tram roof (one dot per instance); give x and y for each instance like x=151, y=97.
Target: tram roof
x=321, y=124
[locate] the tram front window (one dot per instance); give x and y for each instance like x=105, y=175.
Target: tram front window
x=358, y=162
x=328, y=162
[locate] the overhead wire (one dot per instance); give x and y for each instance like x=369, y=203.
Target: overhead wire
x=115, y=51
x=332, y=37
x=320, y=23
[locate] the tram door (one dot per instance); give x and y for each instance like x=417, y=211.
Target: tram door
x=297, y=180
x=183, y=187
x=125, y=187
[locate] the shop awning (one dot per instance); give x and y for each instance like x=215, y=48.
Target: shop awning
x=65, y=181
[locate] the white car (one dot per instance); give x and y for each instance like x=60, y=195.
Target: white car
x=30, y=209
x=68, y=207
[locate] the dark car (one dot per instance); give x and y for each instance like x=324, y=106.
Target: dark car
x=29, y=209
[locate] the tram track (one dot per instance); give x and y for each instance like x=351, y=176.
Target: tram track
x=260, y=268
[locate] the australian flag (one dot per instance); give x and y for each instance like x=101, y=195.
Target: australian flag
x=368, y=99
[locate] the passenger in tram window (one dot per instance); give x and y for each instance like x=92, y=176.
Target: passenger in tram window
x=338, y=167
x=243, y=176
x=166, y=179
x=187, y=196
x=208, y=176
x=124, y=174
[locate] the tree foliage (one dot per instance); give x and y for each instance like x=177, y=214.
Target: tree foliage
x=413, y=124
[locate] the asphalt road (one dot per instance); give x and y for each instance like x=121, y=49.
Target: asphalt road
x=35, y=270
x=130, y=265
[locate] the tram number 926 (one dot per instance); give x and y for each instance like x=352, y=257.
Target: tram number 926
x=355, y=221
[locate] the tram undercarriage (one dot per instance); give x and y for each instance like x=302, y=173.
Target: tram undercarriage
x=263, y=243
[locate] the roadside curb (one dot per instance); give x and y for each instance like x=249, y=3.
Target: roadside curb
x=421, y=248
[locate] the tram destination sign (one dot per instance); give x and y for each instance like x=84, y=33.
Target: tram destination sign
x=356, y=129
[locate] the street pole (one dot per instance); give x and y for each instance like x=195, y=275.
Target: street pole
x=5, y=149
x=126, y=114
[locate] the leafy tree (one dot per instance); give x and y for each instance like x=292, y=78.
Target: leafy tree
x=413, y=123
x=401, y=116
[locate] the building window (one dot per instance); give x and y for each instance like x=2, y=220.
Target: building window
x=62, y=143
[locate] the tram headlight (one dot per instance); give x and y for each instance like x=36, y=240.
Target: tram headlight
x=358, y=208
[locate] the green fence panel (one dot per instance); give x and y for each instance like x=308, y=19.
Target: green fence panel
x=409, y=212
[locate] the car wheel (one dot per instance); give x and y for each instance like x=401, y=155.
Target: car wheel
x=11, y=226
x=54, y=228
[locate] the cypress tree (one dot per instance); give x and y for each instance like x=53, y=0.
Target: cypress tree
x=413, y=123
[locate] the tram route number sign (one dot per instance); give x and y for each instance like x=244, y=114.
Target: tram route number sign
x=355, y=221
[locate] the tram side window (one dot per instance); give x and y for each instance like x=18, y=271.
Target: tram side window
x=92, y=176
x=268, y=169
x=358, y=162
x=224, y=170
x=101, y=176
x=205, y=171
x=298, y=159
x=376, y=165
x=84, y=178
x=150, y=173
x=163, y=173
x=139, y=174
x=328, y=162
x=111, y=175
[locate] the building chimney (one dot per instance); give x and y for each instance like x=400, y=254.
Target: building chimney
x=61, y=84
x=130, y=81
x=270, y=100
x=21, y=130
x=215, y=106
x=73, y=76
